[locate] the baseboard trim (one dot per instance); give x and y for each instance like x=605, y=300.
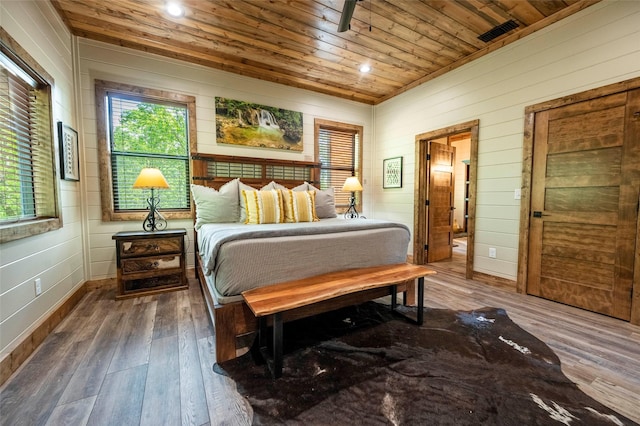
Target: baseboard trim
x=107, y=284
x=23, y=350
x=495, y=281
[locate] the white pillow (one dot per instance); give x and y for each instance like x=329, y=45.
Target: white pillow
x=273, y=185
x=301, y=187
x=216, y=206
x=325, y=202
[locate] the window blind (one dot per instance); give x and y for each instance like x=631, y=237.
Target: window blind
x=338, y=151
x=148, y=133
x=27, y=174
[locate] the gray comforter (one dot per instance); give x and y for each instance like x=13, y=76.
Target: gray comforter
x=237, y=257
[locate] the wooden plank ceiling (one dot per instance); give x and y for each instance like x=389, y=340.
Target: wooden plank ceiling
x=297, y=43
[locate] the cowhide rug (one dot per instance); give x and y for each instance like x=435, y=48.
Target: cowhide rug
x=365, y=366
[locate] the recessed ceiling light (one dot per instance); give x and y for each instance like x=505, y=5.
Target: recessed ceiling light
x=365, y=68
x=175, y=9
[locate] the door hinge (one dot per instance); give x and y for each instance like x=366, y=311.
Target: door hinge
x=426, y=202
x=428, y=157
x=426, y=246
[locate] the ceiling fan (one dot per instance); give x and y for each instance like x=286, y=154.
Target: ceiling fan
x=347, y=12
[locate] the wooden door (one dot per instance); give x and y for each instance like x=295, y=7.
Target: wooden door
x=441, y=184
x=584, y=203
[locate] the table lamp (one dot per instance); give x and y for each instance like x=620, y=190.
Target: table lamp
x=352, y=184
x=151, y=178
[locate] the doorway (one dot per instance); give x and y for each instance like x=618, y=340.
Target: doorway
x=444, y=220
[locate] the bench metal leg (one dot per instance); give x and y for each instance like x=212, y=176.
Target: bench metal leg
x=420, y=309
x=394, y=297
x=262, y=332
x=420, y=316
x=276, y=371
x=272, y=359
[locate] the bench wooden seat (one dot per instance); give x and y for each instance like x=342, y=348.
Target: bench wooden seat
x=275, y=299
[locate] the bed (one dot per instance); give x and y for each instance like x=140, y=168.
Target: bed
x=232, y=256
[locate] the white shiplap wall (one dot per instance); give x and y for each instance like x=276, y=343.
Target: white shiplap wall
x=598, y=46
x=56, y=257
x=102, y=61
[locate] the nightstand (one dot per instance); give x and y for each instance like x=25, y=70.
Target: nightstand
x=150, y=262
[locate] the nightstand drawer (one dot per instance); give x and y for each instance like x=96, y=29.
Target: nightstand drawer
x=134, y=265
x=153, y=283
x=151, y=246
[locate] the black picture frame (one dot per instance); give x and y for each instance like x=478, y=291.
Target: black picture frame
x=392, y=172
x=69, y=163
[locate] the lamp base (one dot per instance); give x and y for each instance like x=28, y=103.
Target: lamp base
x=154, y=220
x=351, y=212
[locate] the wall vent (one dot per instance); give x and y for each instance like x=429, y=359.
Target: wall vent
x=498, y=31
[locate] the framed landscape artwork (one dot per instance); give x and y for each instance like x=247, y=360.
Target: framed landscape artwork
x=68, y=140
x=259, y=126
x=392, y=173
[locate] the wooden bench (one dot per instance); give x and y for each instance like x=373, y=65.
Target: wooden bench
x=275, y=299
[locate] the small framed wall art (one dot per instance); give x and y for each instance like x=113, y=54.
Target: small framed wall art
x=68, y=141
x=392, y=173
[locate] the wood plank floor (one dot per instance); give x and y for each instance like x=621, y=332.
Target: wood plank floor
x=148, y=360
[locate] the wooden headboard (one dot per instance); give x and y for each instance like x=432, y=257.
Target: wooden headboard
x=215, y=170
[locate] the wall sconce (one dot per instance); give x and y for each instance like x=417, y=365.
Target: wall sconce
x=150, y=178
x=352, y=184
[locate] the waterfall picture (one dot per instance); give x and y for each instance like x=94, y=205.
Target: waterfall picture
x=249, y=124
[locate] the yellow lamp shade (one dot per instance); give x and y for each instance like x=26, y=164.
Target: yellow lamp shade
x=352, y=184
x=150, y=178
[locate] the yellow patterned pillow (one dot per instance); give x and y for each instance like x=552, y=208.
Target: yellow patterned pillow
x=299, y=206
x=263, y=206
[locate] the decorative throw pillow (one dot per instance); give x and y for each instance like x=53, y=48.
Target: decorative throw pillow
x=299, y=206
x=325, y=202
x=263, y=206
x=243, y=207
x=243, y=186
x=216, y=206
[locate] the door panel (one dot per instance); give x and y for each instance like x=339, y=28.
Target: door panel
x=441, y=184
x=584, y=201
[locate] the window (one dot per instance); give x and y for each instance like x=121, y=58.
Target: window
x=139, y=128
x=339, y=149
x=28, y=192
